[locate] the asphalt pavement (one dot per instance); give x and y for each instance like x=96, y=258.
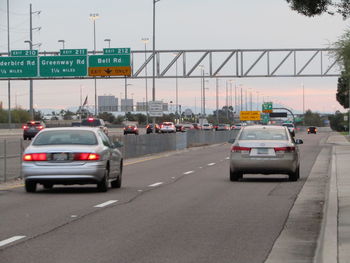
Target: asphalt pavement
x=173, y=207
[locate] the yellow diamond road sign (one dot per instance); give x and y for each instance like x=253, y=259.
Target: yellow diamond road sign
x=250, y=116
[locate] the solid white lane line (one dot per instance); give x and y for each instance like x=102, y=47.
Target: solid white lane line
x=106, y=203
x=211, y=164
x=10, y=240
x=156, y=184
x=189, y=172
x=227, y=158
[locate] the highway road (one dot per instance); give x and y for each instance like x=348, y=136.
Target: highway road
x=176, y=207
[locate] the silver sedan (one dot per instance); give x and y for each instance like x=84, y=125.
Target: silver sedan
x=76, y=155
x=265, y=150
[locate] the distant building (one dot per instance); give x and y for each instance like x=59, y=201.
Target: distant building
x=128, y=106
x=141, y=106
x=107, y=103
x=165, y=107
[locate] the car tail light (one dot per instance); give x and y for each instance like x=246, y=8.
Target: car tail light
x=90, y=119
x=35, y=157
x=315, y=130
x=240, y=149
x=86, y=157
x=25, y=127
x=147, y=127
x=284, y=149
x=39, y=127
x=308, y=130
x=32, y=122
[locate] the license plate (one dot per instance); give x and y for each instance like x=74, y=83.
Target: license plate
x=263, y=151
x=60, y=157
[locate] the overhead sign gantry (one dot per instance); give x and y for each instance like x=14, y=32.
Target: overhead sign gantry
x=69, y=63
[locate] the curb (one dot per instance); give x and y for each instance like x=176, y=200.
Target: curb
x=327, y=245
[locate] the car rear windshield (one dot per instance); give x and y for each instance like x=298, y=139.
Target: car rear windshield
x=76, y=137
x=263, y=134
x=92, y=123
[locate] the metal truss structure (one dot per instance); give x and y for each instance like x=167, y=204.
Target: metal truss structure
x=228, y=63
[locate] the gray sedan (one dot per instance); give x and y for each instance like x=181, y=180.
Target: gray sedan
x=76, y=155
x=265, y=150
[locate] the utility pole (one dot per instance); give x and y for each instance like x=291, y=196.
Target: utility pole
x=31, y=29
x=8, y=50
x=217, y=100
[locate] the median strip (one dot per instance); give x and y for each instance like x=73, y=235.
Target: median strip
x=156, y=184
x=10, y=240
x=106, y=203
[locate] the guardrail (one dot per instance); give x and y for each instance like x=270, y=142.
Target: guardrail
x=11, y=150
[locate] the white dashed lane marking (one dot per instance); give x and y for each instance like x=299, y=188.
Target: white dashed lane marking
x=155, y=184
x=106, y=203
x=211, y=164
x=10, y=240
x=189, y=172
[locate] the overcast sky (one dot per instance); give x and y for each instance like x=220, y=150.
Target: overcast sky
x=181, y=24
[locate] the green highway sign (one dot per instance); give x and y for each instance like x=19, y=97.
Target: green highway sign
x=73, y=52
x=109, y=61
x=116, y=51
x=267, y=107
x=18, y=67
x=63, y=66
x=24, y=53
x=265, y=118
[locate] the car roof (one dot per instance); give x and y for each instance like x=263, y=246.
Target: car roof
x=81, y=128
x=264, y=127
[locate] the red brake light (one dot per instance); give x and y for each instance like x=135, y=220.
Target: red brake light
x=147, y=127
x=239, y=149
x=25, y=127
x=86, y=157
x=284, y=149
x=90, y=119
x=32, y=122
x=35, y=157
x=40, y=127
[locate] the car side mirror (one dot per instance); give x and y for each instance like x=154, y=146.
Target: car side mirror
x=231, y=140
x=299, y=141
x=118, y=144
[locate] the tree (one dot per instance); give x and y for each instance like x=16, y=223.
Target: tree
x=318, y=7
x=343, y=91
x=312, y=119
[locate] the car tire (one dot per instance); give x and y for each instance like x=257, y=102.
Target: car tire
x=24, y=137
x=48, y=186
x=30, y=187
x=103, y=185
x=118, y=182
x=293, y=177
x=235, y=176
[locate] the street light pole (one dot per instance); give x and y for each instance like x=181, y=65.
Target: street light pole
x=145, y=41
x=217, y=100
x=93, y=17
x=154, y=59
x=8, y=50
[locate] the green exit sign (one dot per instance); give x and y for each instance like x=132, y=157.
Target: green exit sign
x=116, y=51
x=24, y=53
x=73, y=52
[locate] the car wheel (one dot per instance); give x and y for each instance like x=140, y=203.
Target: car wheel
x=48, y=186
x=235, y=176
x=30, y=186
x=24, y=137
x=118, y=182
x=295, y=176
x=103, y=185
